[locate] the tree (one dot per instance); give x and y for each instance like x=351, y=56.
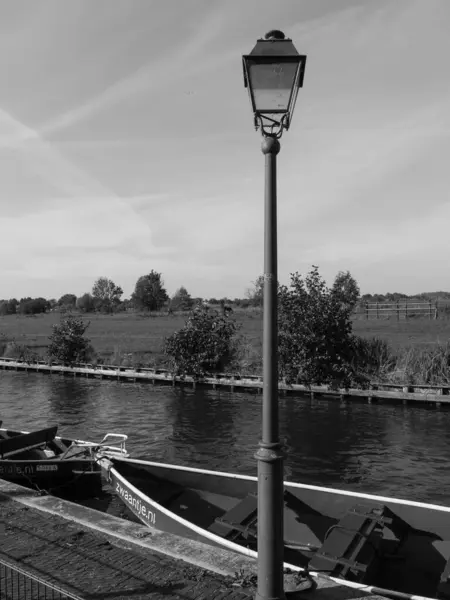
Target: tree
x=106, y=294
x=205, y=344
x=23, y=307
x=8, y=307
x=181, y=300
x=346, y=289
x=68, y=343
x=256, y=293
x=39, y=305
x=85, y=303
x=32, y=306
x=68, y=301
x=126, y=305
x=149, y=292
x=315, y=343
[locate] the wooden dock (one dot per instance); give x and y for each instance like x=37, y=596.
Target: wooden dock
x=92, y=555
x=438, y=396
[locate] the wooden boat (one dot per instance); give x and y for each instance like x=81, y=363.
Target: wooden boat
x=395, y=548
x=44, y=461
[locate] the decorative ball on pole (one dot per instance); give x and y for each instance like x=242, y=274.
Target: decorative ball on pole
x=270, y=145
x=273, y=74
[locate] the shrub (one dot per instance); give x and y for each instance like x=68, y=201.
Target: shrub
x=67, y=342
x=20, y=352
x=315, y=343
x=247, y=359
x=207, y=343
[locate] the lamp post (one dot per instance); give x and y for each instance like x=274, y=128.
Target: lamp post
x=273, y=73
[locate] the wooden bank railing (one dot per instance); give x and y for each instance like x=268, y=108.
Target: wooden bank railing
x=377, y=391
x=401, y=310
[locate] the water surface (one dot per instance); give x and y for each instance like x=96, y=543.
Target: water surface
x=400, y=451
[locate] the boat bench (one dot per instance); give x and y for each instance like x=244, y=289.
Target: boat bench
x=241, y=519
x=351, y=547
x=26, y=441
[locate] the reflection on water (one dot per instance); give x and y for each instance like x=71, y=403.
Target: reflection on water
x=390, y=450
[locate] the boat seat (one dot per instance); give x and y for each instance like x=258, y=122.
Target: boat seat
x=240, y=519
x=26, y=441
x=58, y=445
x=351, y=547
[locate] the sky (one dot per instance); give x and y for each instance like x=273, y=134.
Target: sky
x=127, y=144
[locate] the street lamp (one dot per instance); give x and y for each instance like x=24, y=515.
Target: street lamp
x=273, y=73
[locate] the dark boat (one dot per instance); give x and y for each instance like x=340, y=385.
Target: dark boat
x=44, y=461
x=391, y=547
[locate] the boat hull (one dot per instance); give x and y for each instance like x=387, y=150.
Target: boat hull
x=74, y=476
x=52, y=474
x=149, y=490
x=151, y=513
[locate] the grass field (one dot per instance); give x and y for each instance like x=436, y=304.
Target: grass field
x=112, y=336
x=417, y=332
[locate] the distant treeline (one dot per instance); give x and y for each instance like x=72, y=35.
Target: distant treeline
x=397, y=297
x=150, y=295
x=34, y=306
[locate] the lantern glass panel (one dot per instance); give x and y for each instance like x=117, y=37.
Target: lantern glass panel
x=272, y=84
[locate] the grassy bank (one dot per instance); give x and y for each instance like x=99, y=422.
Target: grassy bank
x=117, y=335
x=417, y=354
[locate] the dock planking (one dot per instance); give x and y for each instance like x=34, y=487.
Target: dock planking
x=438, y=396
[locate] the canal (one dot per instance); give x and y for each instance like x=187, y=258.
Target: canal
x=400, y=451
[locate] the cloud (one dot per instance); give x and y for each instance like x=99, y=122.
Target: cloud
x=127, y=143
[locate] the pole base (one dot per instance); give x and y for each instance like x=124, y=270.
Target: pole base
x=270, y=457
x=297, y=582
x=259, y=597
x=294, y=583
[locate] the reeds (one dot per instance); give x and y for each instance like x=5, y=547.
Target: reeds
x=428, y=365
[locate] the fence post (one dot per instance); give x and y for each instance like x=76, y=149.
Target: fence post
x=367, y=311
x=430, y=310
x=377, y=312
x=398, y=311
x=406, y=309
x=436, y=310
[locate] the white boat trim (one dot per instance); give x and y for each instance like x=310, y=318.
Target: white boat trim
x=236, y=547
x=292, y=484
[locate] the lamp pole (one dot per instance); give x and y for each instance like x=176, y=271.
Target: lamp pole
x=273, y=74
x=270, y=454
